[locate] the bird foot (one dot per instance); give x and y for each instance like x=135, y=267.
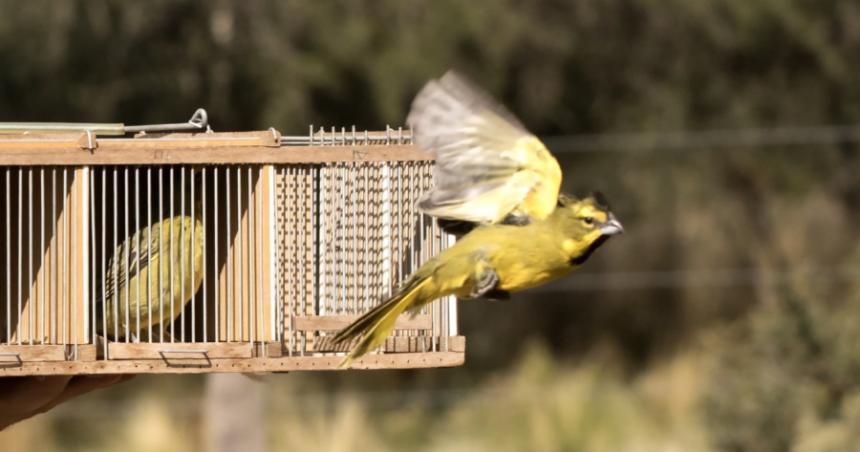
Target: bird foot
x=486, y=283
x=497, y=295
x=517, y=220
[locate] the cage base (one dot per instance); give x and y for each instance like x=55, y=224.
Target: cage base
x=243, y=365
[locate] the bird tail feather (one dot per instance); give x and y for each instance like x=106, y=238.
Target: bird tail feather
x=374, y=326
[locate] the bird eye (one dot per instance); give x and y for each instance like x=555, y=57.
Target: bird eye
x=588, y=220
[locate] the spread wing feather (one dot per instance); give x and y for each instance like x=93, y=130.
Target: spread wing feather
x=487, y=164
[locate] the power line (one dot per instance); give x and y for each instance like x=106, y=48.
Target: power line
x=701, y=278
x=705, y=139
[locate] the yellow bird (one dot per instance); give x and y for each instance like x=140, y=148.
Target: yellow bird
x=489, y=168
x=153, y=288
x=506, y=258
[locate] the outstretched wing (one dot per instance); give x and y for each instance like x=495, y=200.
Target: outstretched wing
x=488, y=166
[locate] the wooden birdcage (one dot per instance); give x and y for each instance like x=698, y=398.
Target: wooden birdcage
x=301, y=235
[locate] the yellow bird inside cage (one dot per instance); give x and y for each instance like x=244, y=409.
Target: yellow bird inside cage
x=150, y=278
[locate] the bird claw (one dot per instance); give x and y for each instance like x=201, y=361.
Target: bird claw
x=517, y=219
x=458, y=228
x=497, y=295
x=486, y=283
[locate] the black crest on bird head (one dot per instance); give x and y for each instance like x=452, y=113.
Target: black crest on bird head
x=600, y=200
x=596, y=197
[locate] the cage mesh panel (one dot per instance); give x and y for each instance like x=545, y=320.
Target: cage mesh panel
x=348, y=233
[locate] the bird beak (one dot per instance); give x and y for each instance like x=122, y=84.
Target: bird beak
x=612, y=226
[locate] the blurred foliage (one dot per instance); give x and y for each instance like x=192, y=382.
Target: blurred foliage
x=538, y=405
x=795, y=382
x=747, y=257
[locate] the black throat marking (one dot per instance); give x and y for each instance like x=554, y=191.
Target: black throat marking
x=579, y=260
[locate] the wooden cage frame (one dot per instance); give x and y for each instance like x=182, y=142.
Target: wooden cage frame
x=274, y=166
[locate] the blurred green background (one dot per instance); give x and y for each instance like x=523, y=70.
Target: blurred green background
x=727, y=318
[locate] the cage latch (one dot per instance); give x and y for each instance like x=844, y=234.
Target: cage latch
x=199, y=122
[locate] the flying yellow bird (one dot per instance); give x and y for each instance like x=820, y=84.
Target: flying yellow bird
x=159, y=281
x=489, y=169
x=499, y=257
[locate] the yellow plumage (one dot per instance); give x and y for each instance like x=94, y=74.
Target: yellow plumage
x=496, y=257
x=489, y=168
x=153, y=288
